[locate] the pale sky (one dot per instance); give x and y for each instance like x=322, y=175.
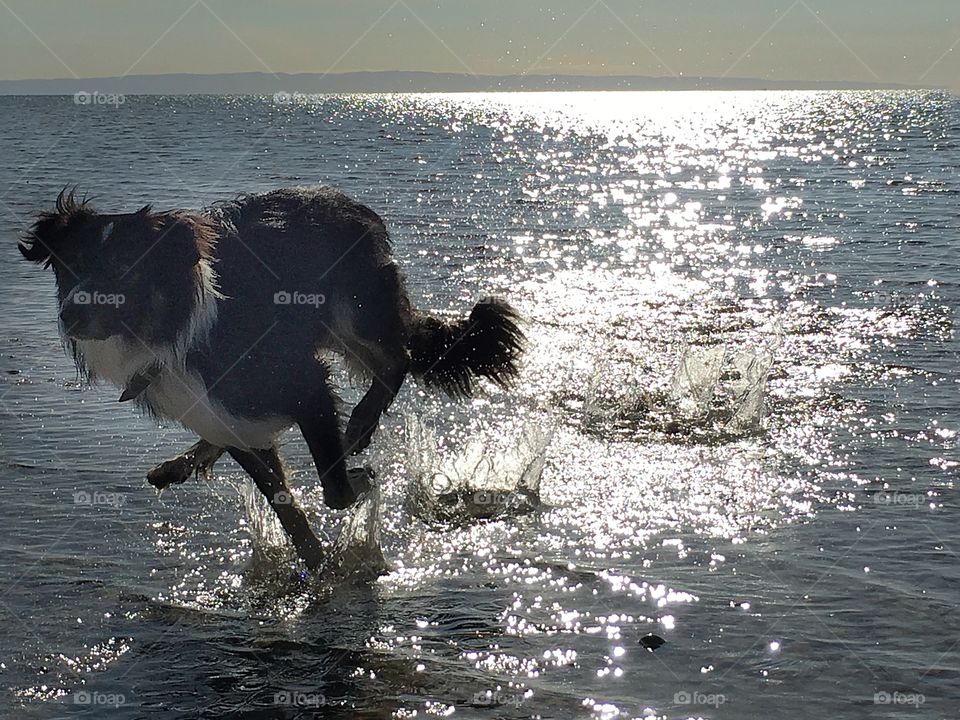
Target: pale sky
x=916, y=42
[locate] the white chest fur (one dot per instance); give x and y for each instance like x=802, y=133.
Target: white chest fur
x=114, y=360
x=179, y=395
x=182, y=396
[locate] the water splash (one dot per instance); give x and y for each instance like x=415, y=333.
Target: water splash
x=695, y=383
x=265, y=530
x=723, y=389
x=474, y=482
x=357, y=551
x=748, y=390
x=352, y=552
x=717, y=394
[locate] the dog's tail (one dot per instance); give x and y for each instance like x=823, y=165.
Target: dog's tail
x=452, y=355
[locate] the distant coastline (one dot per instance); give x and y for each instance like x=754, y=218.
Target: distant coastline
x=258, y=83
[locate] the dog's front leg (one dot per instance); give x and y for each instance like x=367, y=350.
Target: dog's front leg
x=266, y=469
x=341, y=487
x=196, y=459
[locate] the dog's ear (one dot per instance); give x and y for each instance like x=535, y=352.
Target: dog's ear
x=183, y=239
x=46, y=237
x=42, y=237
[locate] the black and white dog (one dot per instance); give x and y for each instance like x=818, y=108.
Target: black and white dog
x=215, y=319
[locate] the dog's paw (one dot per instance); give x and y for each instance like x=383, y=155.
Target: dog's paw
x=172, y=472
x=360, y=478
x=358, y=482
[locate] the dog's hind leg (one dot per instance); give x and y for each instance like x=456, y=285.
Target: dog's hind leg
x=266, y=469
x=388, y=377
x=197, y=459
x=374, y=334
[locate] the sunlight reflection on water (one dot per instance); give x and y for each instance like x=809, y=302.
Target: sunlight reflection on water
x=719, y=311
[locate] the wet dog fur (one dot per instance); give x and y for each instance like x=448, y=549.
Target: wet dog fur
x=215, y=319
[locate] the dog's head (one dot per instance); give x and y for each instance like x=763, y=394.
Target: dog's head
x=136, y=275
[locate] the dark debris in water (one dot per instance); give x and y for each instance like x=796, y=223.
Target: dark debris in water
x=651, y=642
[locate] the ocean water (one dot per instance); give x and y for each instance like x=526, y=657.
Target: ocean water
x=735, y=428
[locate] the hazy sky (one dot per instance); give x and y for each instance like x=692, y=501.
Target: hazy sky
x=913, y=42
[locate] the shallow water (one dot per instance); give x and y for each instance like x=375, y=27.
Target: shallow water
x=742, y=386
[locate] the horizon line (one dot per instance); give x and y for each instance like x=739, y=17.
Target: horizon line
x=533, y=78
